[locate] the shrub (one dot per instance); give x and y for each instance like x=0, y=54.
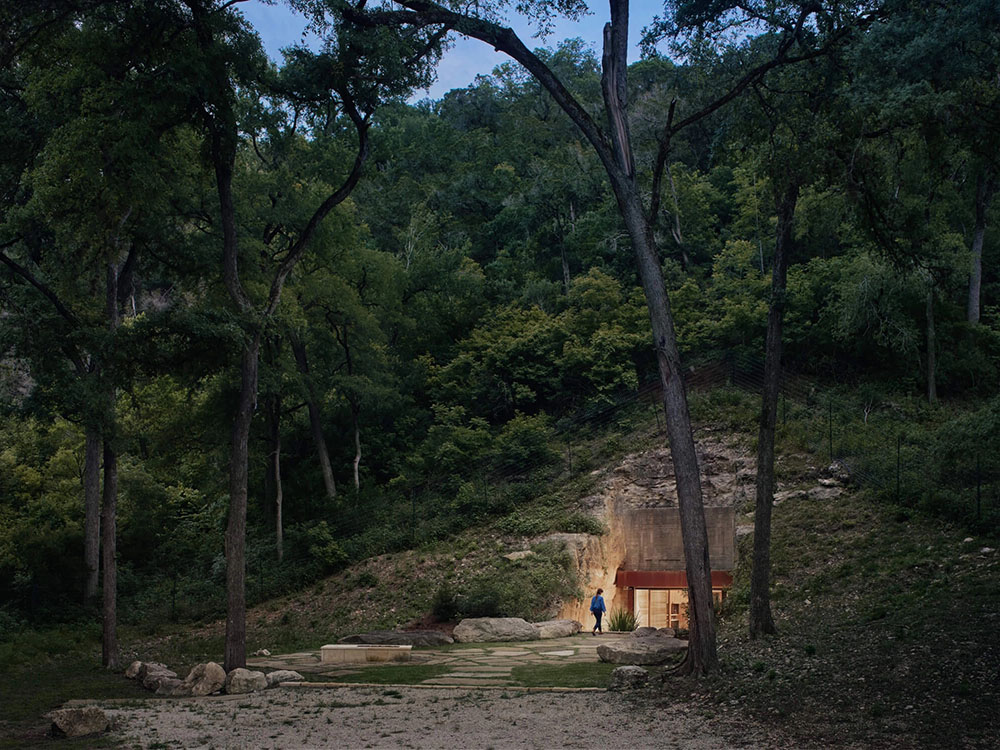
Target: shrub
x=622, y=620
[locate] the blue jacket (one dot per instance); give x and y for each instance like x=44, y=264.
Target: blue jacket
x=597, y=604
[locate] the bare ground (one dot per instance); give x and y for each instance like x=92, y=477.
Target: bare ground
x=404, y=717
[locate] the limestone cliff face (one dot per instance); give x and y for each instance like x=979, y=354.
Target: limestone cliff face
x=645, y=480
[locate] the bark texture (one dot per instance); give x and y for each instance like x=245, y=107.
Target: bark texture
x=984, y=194
x=761, y=619
x=92, y=513
x=315, y=421
x=615, y=153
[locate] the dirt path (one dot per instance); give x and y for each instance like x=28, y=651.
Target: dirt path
x=404, y=717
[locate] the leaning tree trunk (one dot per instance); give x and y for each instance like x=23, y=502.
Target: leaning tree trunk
x=702, y=656
x=92, y=513
x=315, y=421
x=761, y=620
x=984, y=192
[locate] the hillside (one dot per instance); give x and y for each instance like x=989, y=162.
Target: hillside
x=887, y=618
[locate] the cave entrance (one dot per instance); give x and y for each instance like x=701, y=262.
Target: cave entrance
x=659, y=599
x=651, y=582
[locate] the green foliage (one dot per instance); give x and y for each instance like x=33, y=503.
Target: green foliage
x=622, y=620
x=523, y=588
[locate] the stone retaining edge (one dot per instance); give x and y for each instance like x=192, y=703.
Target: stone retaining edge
x=509, y=688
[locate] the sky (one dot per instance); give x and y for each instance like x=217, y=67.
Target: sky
x=279, y=27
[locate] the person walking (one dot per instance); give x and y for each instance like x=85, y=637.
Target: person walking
x=597, y=609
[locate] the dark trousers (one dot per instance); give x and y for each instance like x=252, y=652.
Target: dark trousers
x=597, y=617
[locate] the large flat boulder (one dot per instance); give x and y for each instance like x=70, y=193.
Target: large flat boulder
x=656, y=649
x=241, y=681
x=400, y=638
x=274, y=679
x=153, y=674
x=205, y=679
x=78, y=722
x=494, y=630
x=557, y=628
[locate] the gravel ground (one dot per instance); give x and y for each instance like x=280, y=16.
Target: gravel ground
x=401, y=717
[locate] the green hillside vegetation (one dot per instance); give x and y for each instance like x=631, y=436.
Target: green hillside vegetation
x=286, y=351
x=886, y=615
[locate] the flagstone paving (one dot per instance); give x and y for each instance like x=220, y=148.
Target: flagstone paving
x=489, y=664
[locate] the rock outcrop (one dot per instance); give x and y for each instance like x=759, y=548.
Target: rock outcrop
x=650, y=649
x=494, y=630
x=205, y=679
x=78, y=722
x=241, y=681
x=557, y=628
x=153, y=673
x=400, y=638
x=274, y=679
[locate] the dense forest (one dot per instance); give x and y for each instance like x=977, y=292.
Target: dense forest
x=263, y=312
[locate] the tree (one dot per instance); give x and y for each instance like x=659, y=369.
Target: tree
x=89, y=201
x=614, y=149
x=343, y=84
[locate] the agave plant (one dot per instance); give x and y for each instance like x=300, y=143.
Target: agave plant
x=622, y=620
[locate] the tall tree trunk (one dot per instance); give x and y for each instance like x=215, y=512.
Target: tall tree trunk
x=279, y=498
x=761, y=620
x=984, y=193
x=702, y=656
x=315, y=422
x=274, y=489
x=931, y=346
x=109, y=609
x=236, y=527
x=92, y=512
x=109, y=502
x=355, y=421
x=615, y=152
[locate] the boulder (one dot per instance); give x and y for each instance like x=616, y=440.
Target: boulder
x=644, y=631
x=494, y=630
x=519, y=555
x=155, y=674
x=172, y=687
x=77, y=722
x=654, y=649
x=628, y=678
x=274, y=679
x=241, y=681
x=400, y=638
x=205, y=679
x=148, y=666
x=557, y=628
x=132, y=671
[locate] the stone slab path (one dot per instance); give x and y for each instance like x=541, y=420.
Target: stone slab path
x=475, y=665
